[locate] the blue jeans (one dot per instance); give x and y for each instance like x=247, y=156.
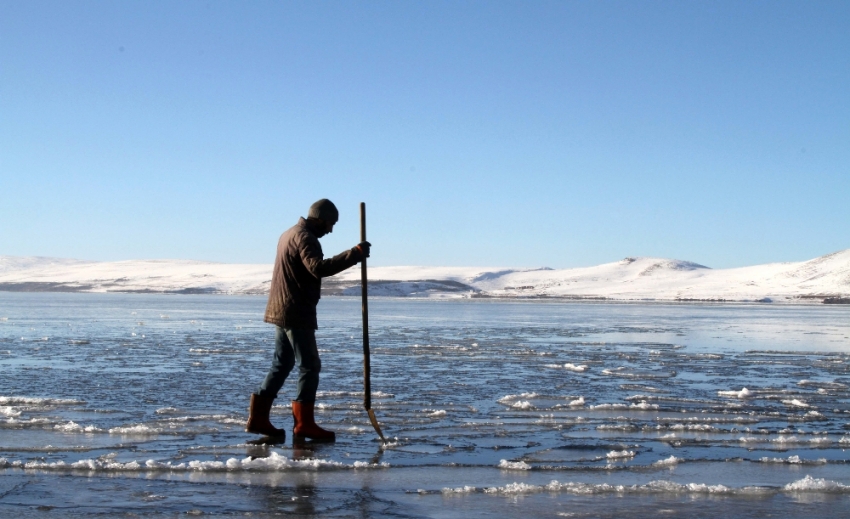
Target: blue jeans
x=293, y=345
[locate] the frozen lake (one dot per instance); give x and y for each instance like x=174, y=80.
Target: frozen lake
x=112, y=402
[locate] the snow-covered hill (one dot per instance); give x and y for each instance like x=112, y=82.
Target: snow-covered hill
x=658, y=279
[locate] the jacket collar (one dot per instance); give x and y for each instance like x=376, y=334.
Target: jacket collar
x=307, y=225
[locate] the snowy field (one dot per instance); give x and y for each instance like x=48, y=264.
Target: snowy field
x=493, y=408
x=632, y=279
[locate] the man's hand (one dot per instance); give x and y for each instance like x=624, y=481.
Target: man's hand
x=364, y=248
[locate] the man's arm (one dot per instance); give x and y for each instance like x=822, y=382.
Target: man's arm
x=311, y=255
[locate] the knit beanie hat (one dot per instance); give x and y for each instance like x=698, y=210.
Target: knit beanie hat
x=325, y=210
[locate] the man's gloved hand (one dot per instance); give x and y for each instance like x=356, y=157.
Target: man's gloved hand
x=364, y=248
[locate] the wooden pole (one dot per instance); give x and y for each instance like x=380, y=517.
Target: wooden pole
x=367, y=366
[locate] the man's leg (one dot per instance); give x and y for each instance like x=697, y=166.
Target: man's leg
x=309, y=366
x=262, y=400
x=282, y=364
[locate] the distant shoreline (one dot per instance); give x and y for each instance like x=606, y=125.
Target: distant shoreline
x=50, y=287
x=822, y=280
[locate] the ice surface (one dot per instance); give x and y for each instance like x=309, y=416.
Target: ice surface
x=694, y=405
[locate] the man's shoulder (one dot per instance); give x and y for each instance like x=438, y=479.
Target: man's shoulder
x=299, y=229
x=299, y=235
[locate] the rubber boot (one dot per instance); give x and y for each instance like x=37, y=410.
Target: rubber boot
x=258, y=417
x=305, y=423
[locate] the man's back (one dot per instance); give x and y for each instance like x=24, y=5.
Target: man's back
x=297, y=277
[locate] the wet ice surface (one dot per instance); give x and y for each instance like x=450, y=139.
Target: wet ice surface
x=110, y=402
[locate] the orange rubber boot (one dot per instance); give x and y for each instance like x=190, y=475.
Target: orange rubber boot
x=258, y=417
x=305, y=423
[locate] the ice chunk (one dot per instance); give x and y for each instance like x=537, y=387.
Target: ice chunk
x=613, y=455
x=73, y=427
x=507, y=399
x=795, y=403
x=24, y=400
x=794, y=460
x=9, y=411
x=667, y=462
x=141, y=430
x=367, y=465
x=514, y=488
x=743, y=393
x=458, y=490
x=643, y=405
x=810, y=484
x=514, y=465
x=609, y=406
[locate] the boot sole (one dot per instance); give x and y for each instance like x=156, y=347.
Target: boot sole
x=281, y=434
x=268, y=440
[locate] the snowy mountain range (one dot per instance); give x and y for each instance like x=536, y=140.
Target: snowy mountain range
x=823, y=279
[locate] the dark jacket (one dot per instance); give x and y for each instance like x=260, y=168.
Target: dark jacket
x=297, y=277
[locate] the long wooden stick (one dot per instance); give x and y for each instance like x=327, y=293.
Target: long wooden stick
x=367, y=366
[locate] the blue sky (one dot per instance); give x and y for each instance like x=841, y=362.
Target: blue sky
x=478, y=133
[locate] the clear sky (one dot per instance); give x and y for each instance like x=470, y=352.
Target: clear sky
x=492, y=133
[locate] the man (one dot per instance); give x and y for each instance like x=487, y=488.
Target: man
x=295, y=290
